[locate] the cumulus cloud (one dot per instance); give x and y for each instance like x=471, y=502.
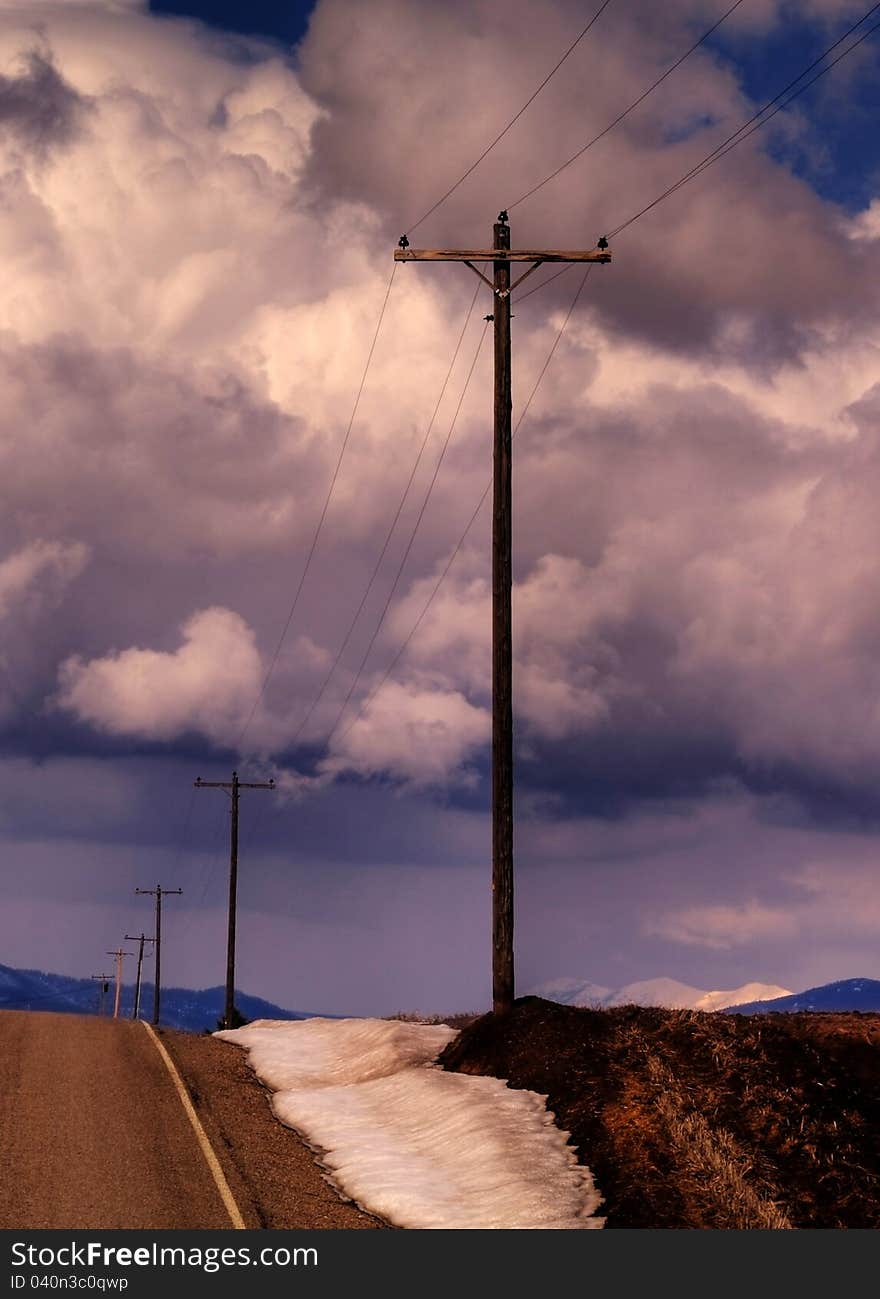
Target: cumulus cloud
x=830, y=905
x=421, y=736
x=723, y=927
x=558, y=685
x=208, y=684
x=866, y=224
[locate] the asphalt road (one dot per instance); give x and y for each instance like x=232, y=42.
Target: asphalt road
x=93, y=1134
x=92, y=1131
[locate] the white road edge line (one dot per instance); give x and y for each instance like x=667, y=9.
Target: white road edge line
x=210, y=1158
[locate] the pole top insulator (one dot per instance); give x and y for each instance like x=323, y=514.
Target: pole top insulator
x=503, y=217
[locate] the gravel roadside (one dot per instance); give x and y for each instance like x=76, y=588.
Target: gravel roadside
x=273, y=1174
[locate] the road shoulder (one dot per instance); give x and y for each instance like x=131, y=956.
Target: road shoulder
x=273, y=1175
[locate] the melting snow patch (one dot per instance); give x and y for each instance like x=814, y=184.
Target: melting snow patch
x=416, y=1145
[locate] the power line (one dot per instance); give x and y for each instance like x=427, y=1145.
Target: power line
x=735, y=138
x=512, y=121
x=183, y=837
x=538, y=287
x=412, y=536
x=213, y=859
x=376, y=567
x=759, y=119
x=260, y=815
x=472, y=520
x=626, y=112
x=207, y=870
x=323, y=514
x=433, y=208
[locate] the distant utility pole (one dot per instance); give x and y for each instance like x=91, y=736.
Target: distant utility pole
x=104, y=980
x=157, y=893
x=232, y=787
x=501, y=255
x=140, y=939
x=119, y=954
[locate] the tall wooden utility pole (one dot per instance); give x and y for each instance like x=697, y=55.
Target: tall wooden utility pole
x=140, y=939
x=232, y=786
x=119, y=954
x=501, y=255
x=157, y=893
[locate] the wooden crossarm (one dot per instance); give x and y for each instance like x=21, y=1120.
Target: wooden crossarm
x=498, y=255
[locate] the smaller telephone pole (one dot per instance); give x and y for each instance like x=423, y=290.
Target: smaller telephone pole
x=232, y=786
x=104, y=980
x=157, y=893
x=119, y=954
x=140, y=939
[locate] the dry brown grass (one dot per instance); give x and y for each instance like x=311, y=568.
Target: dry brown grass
x=715, y=1169
x=689, y=1119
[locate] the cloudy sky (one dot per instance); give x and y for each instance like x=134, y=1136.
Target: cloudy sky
x=199, y=203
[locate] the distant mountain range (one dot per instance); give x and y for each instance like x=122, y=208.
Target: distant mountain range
x=848, y=994
x=195, y=1010
x=182, y=1008
x=750, y=999
x=655, y=992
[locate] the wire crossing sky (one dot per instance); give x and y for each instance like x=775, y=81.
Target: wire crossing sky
x=517, y=115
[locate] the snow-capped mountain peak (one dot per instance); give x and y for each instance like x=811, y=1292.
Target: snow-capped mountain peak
x=737, y=996
x=657, y=992
x=654, y=992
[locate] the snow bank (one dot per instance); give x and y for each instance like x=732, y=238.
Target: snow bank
x=418, y=1146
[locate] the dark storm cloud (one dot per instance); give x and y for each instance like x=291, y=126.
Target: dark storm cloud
x=616, y=772
x=38, y=106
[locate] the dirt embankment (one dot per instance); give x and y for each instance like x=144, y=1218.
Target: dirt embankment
x=699, y=1120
